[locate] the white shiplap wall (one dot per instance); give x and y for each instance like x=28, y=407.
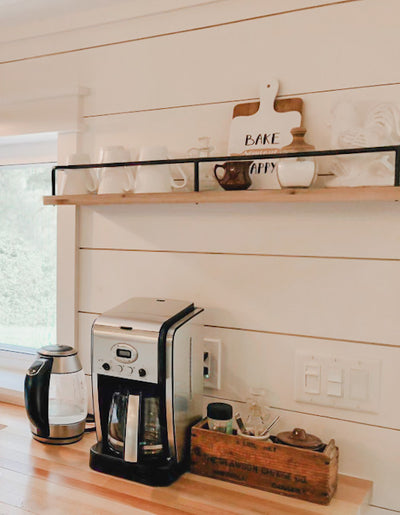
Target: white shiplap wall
x=274, y=279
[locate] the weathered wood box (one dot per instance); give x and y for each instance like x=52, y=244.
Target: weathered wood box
x=282, y=469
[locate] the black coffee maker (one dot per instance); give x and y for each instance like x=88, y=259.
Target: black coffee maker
x=147, y=388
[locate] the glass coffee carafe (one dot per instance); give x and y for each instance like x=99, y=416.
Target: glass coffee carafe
x=134, y=426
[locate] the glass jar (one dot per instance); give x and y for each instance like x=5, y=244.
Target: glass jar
x=258, y=413
x=219, y=417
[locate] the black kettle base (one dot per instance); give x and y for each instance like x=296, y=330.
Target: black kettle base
x=57, y=441
x=161, y=475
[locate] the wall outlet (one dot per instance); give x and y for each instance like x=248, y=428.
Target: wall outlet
x=212, y=363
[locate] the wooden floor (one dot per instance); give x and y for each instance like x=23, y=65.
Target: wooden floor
x=43, y=479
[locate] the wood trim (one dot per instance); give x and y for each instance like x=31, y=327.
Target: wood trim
x=290, y=195
x=248, y=254
x=173, y=33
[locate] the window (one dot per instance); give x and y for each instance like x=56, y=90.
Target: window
x=28, y=245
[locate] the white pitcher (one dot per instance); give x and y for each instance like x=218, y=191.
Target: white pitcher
x=78, y=181
x=115, y=179
x=156, y=178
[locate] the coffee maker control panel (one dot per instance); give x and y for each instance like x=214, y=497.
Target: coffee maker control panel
x=136, y=361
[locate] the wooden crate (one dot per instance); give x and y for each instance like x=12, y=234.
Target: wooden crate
x=277, y=468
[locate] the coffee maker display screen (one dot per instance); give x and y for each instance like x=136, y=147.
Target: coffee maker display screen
x=124, y=353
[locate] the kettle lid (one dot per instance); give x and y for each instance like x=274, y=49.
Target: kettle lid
x=58, y=351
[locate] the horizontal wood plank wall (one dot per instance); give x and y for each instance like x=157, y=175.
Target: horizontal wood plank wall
x=274, y=280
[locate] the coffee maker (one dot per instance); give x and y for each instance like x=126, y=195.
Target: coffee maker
x=147, y=380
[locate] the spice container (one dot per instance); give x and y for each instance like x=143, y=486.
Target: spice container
x=219, y=417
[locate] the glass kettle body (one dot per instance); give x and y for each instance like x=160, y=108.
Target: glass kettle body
x=55, y=396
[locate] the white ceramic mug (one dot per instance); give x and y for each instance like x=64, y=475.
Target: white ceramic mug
x=156, y=178
x=78, y=181
x=118, y=179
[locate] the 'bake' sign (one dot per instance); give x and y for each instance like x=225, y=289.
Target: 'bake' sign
x=265, y=131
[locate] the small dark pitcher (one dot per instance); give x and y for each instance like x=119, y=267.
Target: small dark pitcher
x=236, y=176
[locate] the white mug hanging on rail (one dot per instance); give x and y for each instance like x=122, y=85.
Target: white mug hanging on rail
x=157, y=178
x=118, y=179
x=78, y=181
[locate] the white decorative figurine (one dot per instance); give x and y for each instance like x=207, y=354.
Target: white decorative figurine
x=352, y=127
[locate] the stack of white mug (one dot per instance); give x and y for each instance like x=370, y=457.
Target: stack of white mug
x=121, y=179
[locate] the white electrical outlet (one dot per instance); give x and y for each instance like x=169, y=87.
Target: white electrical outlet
x=212, y=363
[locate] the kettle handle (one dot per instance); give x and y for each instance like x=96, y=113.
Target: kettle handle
x=132, y=429
x=36, y=389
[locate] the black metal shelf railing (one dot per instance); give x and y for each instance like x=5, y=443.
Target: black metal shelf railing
x=251, y=157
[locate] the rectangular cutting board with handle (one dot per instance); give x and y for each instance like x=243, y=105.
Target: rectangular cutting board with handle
x=264, y=127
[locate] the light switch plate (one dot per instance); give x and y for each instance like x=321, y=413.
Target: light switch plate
x=345, y=382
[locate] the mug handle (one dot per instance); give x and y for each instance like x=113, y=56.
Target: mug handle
x=180, y=186
x=93, y=182
x=131, y=180
x=219, y=179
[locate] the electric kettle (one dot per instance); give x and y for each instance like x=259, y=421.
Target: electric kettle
x=55, y=395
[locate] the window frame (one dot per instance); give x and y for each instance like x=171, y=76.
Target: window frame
x=14, y=362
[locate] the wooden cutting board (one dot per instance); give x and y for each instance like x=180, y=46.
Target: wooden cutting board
x=264, y=127
x=281, y=105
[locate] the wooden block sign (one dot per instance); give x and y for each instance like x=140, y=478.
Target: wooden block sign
x=264, y=127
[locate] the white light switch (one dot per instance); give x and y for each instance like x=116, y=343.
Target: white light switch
x=342, y=382
x=312, y=379
x=359, y=380
x=334, y=389
x=335, y=375
x=334, y=382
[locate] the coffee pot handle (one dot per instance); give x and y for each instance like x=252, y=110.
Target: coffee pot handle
x=132, y=429
x=219, y=179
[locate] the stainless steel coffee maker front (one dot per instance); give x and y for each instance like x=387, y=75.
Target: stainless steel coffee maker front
x=147, y=388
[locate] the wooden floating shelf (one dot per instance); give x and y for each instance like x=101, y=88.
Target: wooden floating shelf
x=345, y=194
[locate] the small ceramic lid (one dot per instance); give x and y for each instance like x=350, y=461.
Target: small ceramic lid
x=57, y=351
x=299, y=438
